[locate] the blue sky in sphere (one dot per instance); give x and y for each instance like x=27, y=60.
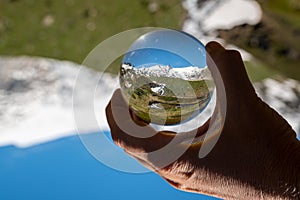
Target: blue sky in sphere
x=175, y=48
x=149, y=57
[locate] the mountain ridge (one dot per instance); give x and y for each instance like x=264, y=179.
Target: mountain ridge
x=189, y=73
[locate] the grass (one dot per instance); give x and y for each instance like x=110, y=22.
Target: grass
x=70, y=29
x=287, y=10
x=179, y=101
x=286, y=35
x=258, y=71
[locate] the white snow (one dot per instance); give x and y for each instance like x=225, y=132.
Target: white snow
x=283, y=96
x=233, y=12
x=159, y=90
x=40, y=124
x=36, y=100
x=186, y=73
x=221, y=14
x=203, y=21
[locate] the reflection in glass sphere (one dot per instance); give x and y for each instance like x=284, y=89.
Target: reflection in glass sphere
x=164, y=77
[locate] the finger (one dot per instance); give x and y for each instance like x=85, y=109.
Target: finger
x=119, y=136
x=232, y=71
x=119, y=115
x=128, y=134
x=137, y=119
x=200, y=131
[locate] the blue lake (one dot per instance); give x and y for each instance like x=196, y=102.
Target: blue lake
x=64, y=169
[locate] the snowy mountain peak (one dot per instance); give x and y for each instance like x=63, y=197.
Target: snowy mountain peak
x=186, y=73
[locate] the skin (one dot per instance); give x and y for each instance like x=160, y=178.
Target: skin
x=257, y=155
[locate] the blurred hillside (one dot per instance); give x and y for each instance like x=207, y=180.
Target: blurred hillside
x=275, y=41
x=70, y=29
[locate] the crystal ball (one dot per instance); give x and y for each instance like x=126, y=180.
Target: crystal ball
x=164, y=77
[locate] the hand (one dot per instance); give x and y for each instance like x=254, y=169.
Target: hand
x=257, y=154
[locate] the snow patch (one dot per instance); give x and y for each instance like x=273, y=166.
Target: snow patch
x=206, y=17
x=36, y=100
x=284, y=97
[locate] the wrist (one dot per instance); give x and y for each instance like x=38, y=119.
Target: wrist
x=274, y=175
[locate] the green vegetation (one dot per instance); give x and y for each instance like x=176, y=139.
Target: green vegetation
x=257, y=70
x=179, y=99
x=285, y=10
x=284, y=17
x=70, y=29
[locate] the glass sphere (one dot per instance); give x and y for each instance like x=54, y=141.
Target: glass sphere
x=164, y=77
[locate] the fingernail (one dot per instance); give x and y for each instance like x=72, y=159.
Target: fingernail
x=209, y=47
x=213, y=47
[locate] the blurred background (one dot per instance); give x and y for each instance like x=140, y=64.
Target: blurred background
x=42, y=45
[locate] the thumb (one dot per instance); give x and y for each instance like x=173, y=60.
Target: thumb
x=231, y=70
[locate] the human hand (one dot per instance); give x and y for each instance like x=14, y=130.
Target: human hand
x=256, y=156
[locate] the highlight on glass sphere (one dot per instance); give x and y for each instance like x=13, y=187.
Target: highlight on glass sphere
x=164, y=77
